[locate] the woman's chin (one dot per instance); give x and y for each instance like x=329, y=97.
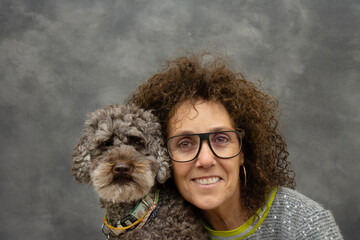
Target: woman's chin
x=206, y=203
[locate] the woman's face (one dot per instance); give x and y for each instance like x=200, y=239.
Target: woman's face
x=208, y=182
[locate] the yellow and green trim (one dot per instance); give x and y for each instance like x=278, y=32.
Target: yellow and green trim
x=249, y=227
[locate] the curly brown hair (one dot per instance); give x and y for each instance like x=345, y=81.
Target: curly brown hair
x=188, y=78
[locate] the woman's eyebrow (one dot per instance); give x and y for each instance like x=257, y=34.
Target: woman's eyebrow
x=184, y=132
x=215, y=129
x=221, y=128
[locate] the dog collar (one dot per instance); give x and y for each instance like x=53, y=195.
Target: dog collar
x=136, y=219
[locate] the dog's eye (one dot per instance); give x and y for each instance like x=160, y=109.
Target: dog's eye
x=108, y=143
x=136, y=141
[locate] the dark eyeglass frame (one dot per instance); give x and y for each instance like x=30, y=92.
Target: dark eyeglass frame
x=205, y=136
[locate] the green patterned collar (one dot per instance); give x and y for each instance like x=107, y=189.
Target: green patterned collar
x=136, y=219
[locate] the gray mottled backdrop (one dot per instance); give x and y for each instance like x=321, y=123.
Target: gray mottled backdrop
x=62, y=59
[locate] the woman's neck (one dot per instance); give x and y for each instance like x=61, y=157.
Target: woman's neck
x=227, y=217
x=225, y=220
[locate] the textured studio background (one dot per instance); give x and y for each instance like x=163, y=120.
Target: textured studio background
x=62, y=59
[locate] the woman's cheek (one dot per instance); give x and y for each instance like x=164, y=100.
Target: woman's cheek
x=180, y=172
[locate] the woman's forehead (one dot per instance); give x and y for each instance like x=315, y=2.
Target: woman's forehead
x=199, y=116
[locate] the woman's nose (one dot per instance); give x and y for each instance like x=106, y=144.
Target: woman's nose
x=205, y=157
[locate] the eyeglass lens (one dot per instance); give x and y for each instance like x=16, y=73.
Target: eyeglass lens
x=226, y=144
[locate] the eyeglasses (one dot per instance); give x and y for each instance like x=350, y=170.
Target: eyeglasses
x=223, y=144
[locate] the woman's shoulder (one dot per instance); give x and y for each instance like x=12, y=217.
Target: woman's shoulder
x=300, y=216
x=293, y=199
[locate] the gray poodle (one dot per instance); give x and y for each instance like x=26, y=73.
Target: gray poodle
x=121, y=154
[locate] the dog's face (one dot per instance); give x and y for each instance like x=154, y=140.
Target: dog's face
x=121, y=153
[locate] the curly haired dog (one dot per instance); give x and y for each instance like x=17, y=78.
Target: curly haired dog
x=122, y=155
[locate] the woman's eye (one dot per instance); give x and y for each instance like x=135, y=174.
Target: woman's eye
x=220, y=139
x=184, y=144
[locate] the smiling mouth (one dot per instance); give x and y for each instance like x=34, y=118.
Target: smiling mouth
x=207, y=181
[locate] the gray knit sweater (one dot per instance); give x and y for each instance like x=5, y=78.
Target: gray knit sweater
x=294, y=216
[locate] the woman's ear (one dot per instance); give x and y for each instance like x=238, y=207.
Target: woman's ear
x=241, y=156
x=81, y=161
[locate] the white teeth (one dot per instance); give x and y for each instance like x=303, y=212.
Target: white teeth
x=206, y=181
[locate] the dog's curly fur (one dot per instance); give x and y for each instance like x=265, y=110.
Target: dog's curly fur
x=121, y=154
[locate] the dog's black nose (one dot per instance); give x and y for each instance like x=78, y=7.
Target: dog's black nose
x=121, y=168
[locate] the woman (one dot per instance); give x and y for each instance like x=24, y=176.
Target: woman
x=229, y=158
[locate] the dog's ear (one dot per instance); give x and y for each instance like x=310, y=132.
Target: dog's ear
x=81, y=161
x=149, y=124
x=164, y=172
